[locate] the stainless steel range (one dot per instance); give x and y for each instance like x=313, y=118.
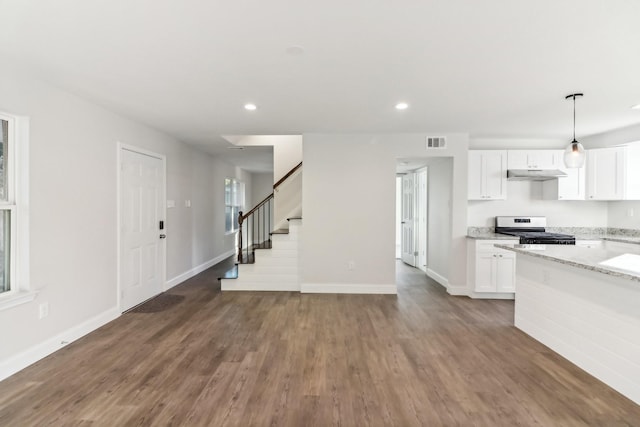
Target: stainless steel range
x=531, y=230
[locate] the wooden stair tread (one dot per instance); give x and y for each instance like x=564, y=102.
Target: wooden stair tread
x=280, y=231
x=231, y=273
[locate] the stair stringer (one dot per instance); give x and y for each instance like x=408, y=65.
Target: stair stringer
x=275, y=269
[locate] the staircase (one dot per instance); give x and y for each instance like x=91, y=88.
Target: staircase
x=267, y=259
x=272, y=269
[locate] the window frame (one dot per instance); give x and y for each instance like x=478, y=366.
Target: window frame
x=17, y=190
x=234, y=221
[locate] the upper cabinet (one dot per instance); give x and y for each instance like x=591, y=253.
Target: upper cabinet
x=570, y=187
x=612, y=173
x=605, y=173
x=534, y=159
x=487, y=175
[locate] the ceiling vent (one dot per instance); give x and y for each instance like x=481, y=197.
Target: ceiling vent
x=436, y=142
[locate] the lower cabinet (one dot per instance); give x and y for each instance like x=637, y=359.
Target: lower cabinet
x=494, y=268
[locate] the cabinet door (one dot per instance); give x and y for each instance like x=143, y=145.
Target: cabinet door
x=505, y=272
x=534, y=159
x=605, y=173
x=495, y=175
x=572, y=186
x=485, y=266
x=545, y=159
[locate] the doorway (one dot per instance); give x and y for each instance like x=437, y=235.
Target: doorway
x=411, y=210
x=141, y=233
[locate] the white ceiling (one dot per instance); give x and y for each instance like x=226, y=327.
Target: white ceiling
x=490, y=68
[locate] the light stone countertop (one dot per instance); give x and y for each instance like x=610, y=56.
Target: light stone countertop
x=490, y=236
x=581, y=257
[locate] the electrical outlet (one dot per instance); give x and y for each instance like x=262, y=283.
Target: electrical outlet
x=187, y=203
x=630, y=212
x=351, y=265
x=43, y=310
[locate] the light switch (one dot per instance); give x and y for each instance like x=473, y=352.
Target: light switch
x=187, y=203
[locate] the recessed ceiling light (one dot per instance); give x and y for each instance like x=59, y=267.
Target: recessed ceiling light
x=250, y=107
x=402, y=106
x=636, y=107
x=295, y=50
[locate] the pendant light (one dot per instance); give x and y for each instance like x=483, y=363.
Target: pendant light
x=574, y=154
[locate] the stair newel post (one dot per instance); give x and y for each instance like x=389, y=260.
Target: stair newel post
x=240, y=237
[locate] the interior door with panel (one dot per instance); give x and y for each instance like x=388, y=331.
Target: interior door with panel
x=408, y=219
x=141, y=238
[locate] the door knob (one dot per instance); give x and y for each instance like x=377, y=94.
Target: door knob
x=163, y=236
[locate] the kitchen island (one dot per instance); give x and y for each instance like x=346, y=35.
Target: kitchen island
x=584, y=303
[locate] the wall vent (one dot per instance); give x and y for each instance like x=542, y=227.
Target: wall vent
x=436, y=142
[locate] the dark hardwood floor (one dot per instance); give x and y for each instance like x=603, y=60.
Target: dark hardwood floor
x=202, y=357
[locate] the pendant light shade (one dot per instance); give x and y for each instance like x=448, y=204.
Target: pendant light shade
x=574, y=154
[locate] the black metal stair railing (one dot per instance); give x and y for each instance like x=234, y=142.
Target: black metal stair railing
x=254, y=230
x=256, y=226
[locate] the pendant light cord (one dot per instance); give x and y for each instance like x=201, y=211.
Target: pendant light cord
x=574, y=117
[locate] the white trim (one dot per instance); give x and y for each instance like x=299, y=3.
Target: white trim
x=25, y=358
x=347, y=288
x=13, y=298
x=493, y=295
x=196, y=270
x=120, y=146
x=21, y=161
x=461, y=291
x=438, y=278
x=17, y=186
x=247, y=285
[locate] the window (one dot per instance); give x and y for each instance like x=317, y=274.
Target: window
x=14, y=231
x=233, y=203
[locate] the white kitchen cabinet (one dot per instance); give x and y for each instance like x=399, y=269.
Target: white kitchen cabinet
x=606, y=173
x=570, y=187
x=487, y=175
x=494, y=269
x=534, y=159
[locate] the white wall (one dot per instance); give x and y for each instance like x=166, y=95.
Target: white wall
x=624, y=214
x=73, y=209
x=440, y=185
x=262, y=186
x=525, y=198
x=349, y=207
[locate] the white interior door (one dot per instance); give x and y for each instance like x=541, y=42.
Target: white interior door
x=421, y=219
x=141, y=209
x=408, y=215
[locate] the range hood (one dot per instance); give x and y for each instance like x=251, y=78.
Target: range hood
x=534, y=174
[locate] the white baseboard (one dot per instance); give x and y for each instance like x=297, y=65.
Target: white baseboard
x=458, y=290
x=235, y=285
x=438, y=278
x=492, y=295
x=197, y=270
x=21, y=360
x=347, y=288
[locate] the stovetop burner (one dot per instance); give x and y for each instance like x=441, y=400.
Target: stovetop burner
x=531, y=230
